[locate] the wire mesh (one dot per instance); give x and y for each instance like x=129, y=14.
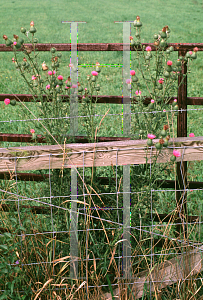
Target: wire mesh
x=85, y=233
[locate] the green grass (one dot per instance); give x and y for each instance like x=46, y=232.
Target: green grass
x=186, y=26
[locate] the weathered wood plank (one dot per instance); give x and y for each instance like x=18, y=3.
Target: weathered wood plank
x=104, y=154
x=165, y=274
x=100, y=46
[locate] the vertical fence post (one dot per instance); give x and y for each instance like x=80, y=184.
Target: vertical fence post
x=73, y=132
x=181, y=197
x=126, y=169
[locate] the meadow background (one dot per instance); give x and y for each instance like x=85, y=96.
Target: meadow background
x=183, y=18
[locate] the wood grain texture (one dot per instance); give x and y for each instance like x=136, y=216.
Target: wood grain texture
x=103, y=154
x=165, y=274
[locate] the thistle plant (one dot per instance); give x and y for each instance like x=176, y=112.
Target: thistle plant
x=47, y=86
x=155, y=78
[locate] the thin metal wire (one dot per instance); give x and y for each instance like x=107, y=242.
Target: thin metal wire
x=152, y=248
x=96, y=115
x=20, y=223
x=52, y=222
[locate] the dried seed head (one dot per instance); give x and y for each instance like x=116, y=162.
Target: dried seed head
x=165, y=127
x=195, y=49
x=5, y=37
x=168, y=137
x=44, y=66
x=32, y=23
x=24, y=59
x=164, y=29
x=27, y=49
x=161, y=141
x=156, y=43
x=138, y=18
x=15, y=36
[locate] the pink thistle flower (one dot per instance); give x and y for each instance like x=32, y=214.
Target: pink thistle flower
x=70, y=65
x=191, y=134
x=32, y=130
x=7, y=101
x=148, y=48
x=128, y=81
x=54, y=72
x=151, y=136
x=132, y=72
x=49, y=72
x=169, y=63
x=85, y=89
x=131, y=38
x=74, y=86
x=67, y=87
x=94, y=73
x=97, y=63
x=176, y=153
x=175, y=100
x=152, y=101
x=83, y=97
x=161, y=81
x=33, y=77
x=190, y=52
x=60, y=77
x=14, y=43
x=48, y=87
x=138, y=92
x=57, y=86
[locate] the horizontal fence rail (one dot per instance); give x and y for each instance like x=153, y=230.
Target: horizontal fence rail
x=102, y=47
x=98, y=99
x=96, y=154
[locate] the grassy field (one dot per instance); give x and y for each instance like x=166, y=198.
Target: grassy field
x=184, y=20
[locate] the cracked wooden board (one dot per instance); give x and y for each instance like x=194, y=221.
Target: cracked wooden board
x=100, y=154
x=167, y=273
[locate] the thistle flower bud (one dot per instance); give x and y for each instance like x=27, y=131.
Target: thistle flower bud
x=137, y=22
x=8, y=41
x=53, y=50
x=163, y=133
x=165, y=144
x=32, y=28
x=23, y=30
x=158, y=146
x=163, y=33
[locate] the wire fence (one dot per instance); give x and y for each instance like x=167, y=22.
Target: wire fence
x=116, y=228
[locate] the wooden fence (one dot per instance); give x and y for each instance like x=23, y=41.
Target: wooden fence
x=108, y=150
